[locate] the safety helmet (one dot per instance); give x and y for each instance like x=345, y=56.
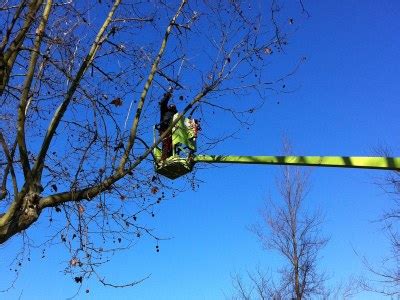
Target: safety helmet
x=172, y=107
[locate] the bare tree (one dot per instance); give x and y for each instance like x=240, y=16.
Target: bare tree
x=385, y=277
x=257, y=285
x=294, y=233
x=80, y=83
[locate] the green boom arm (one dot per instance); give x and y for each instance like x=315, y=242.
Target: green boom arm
x=384, y=163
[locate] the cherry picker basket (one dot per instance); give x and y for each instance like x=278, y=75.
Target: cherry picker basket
x=181, y=161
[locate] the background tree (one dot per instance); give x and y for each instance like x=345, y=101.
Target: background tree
x=288, y=228
x=386, y=276
x=74, y=149
x=258, y=285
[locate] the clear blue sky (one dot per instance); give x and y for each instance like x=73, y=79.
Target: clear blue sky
x=345, y=101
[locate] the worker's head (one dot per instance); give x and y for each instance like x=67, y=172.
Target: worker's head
x=172, y=108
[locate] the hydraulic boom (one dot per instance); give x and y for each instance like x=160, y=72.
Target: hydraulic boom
x=385, y=163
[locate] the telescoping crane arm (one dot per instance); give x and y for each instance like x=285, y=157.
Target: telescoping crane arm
x=177, y=166
x=385, y=163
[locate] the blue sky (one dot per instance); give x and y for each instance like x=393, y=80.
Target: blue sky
x=344, y=101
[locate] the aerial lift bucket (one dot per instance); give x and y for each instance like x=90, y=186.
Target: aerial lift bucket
x=183, y=147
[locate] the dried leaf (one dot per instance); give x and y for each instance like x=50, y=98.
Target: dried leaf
x=78, y=279
x=74, y=262
x=116, y=102
x=268, y=50
x=154, y=190
x=81, y=209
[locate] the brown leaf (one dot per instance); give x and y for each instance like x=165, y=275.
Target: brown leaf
x=268, y=50
x=74, y=262
x=117, y=102
x=78, y=279
x=81, y=209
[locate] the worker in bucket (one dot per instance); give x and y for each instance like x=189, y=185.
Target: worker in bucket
x=167, y=113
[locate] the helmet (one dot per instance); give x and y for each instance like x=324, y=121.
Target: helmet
x=172, y=107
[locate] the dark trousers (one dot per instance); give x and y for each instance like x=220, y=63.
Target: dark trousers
x=166, y=146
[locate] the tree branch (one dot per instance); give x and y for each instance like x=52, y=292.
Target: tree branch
x=38, y=168
x=10, y=167
x=26, y=93
x=14, y=20
x=146, y=88
x=7, y=59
